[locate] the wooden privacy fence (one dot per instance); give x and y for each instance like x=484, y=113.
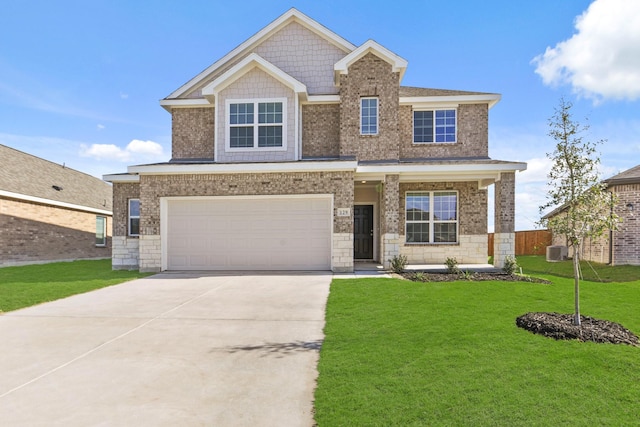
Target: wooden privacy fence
x=530, y=242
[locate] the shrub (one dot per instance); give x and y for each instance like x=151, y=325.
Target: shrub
x=420, y=276
x=398, y=263
x=452, y=265
x=467, y=275
x=510, y=265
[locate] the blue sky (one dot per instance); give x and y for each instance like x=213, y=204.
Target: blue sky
x=80, y=81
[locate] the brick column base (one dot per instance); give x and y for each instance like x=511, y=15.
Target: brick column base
x=125, y=253
x=342, y=253
x=504, y=245
x=390, y=248
x=150, y=254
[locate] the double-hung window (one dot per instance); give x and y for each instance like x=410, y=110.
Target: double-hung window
x=101, y=230
x=369, y=116
x=133, y=223
x=434, y=126
x=257, y=124
x=431, y=216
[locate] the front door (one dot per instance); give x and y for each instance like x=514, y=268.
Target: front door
x=363, y=232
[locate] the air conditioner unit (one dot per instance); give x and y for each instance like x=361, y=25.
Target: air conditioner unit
x=557, y=253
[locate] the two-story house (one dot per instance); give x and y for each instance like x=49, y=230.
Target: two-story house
x=300, y=150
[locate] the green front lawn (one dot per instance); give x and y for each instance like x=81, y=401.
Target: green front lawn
x=537, y=265
x=33, y=284
x=399, y=353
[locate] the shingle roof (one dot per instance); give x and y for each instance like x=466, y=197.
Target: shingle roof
x=423, y=91
x=29, y=175
x=630, y=176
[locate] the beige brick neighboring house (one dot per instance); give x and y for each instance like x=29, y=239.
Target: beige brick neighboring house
x=49, y=212
x=298, y=150
x=621, y=246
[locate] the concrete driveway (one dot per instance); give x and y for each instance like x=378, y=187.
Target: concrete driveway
x=174, y=349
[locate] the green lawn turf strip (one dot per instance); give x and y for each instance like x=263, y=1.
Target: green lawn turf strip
x=33, y=284
x=537, y=265
x=399, y=353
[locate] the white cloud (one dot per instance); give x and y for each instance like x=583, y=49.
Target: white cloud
x=602, y=60
x=537, y=170
x=101, y=127
x=124, y=95
x=136, y=150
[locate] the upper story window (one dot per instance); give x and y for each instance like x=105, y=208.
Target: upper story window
x=256, y=124
x=369, y=116
x=431, y=216
x=434, y=126
x=133, y=223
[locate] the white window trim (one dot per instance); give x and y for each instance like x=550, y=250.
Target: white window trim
x=413, y=126
x=129, y=217
x=431, y=220
x=104, y=231
x=255, y=124
x=377, y=116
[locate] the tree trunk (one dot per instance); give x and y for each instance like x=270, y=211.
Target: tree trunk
x=576, y=281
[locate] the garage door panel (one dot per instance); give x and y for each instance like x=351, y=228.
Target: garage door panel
x=271, y=233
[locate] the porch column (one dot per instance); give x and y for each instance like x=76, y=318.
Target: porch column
x=504, y=243
x=390, y=216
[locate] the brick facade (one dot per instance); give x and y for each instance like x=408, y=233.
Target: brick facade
x=370, y=76
x=320, y=125
x=320, y=130
x=472, y=138
x=626, y=241
x=126, y=249
x=153, y=187
x=472, y=204
x=192, y=133
x=35, y=233
x=504, y=242
x=471, y=247
x=625, y=248
x=122, y=192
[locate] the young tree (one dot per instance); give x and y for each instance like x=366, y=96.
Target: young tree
x=575, y=186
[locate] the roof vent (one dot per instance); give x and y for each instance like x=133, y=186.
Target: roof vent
x=56, y=187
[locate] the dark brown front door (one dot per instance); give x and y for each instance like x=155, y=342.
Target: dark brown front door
x=363, y=232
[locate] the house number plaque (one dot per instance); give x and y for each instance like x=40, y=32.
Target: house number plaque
x=343, y=211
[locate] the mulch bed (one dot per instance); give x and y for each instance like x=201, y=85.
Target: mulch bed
x=474, y=277
x=561, y=327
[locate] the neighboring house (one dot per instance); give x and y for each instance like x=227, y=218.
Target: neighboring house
x=49, y=212
x=300, y=150
x=622, y=246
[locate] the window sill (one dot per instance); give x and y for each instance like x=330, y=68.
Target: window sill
x=253, y=149
x=420, y=144
x=432, y=244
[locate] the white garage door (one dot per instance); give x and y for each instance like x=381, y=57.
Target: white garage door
x=265, y=233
